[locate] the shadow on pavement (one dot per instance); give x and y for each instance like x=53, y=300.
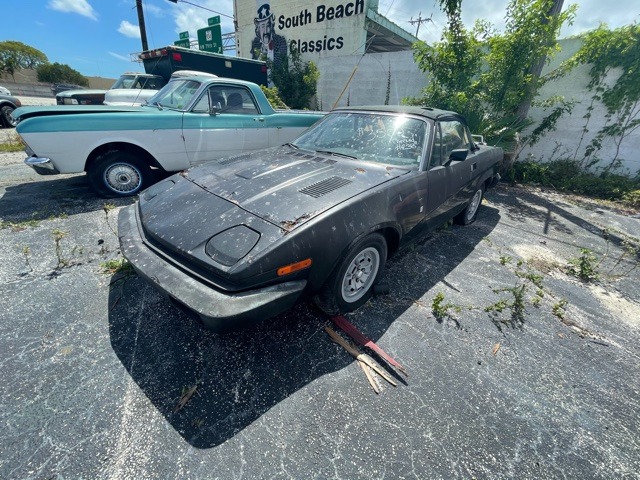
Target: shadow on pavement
x=52, y=198
x=242, y=375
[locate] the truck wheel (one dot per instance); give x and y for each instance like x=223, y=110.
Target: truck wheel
x=351, y=284
x=7, y=119
x=119, y=174
x=468, y=215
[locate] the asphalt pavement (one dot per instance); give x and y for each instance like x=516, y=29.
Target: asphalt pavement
x=521, y=371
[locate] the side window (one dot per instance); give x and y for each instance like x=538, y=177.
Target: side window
x=454, y=136
x=239, y=101
x=436, y=151
x=203, y=104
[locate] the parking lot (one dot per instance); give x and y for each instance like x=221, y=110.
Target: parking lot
x=521, y=371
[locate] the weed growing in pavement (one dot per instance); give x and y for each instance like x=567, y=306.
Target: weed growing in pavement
x=504, y=259
x=117, y=265
x=108, y=207
x=58, y=235
x=13, y=144
x=585, y=267
x=26, y=251
x=19, y=226
x=442, y=310
x=559, y=309
x=516, y=304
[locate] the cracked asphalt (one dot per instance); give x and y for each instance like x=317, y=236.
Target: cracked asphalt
x=523, y=372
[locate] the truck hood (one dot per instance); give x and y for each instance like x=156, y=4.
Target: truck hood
x=23, y=113
x=287, y=187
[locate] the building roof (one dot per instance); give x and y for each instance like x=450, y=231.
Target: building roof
x=385, y=36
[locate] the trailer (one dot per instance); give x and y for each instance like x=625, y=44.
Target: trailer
x=167, y=60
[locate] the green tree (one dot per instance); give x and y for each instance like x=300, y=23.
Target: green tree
x=60, y=73
x=295, y=79
x=492, y=78
x=17, y=56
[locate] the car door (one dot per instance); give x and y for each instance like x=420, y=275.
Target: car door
x=224, y=121
x=449, y=178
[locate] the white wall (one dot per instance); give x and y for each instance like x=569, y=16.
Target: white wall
x=369, y=86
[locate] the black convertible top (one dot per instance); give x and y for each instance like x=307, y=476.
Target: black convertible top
x=428, y=112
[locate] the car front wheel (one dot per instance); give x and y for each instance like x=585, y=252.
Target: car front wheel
x=468, y=215
x=351, y=283
x=7, y=119
x=119, y=174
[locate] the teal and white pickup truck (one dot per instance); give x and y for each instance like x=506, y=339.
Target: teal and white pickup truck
x=189, y=121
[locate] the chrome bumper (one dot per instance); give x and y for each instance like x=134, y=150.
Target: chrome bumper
x=42, y=165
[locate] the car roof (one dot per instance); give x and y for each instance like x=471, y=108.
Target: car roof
x=428, y=112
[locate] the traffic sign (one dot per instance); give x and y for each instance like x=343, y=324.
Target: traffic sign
x=182, y=43
x=210, y=38
x=184, y=35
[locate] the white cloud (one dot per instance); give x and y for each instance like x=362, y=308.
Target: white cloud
x=129, y=29
x=81, y=7
x=191, y=19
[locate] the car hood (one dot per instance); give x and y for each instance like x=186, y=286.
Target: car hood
x=287, y=187
x=272, y=192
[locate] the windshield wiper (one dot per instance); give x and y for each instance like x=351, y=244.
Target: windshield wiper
x=155, y=104
x=336, y=154
x=292, y=145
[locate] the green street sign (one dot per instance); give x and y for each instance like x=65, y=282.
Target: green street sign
x=184, y=35
x=210, y=39
x=182, y=43
x=214, y=21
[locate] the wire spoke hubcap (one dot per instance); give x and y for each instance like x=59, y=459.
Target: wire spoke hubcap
x=360, y=275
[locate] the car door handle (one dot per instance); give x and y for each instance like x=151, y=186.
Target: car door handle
x=258, y=119
x=474, y=166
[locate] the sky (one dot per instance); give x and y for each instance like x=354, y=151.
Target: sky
x=97, y=37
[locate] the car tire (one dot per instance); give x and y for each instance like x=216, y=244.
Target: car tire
x=119, y=174
x=351, y=283
x=468, y=215
x=5, y=113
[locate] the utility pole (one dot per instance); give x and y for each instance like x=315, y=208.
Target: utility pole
x=143, y=29
x=419, y=21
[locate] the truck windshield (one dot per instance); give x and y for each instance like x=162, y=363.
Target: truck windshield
x=177, y=94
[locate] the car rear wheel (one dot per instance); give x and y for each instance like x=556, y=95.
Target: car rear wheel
x=351, y=283
x=468, y=215
x=119, y=174
x=7, y=119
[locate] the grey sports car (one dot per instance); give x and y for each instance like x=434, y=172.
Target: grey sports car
x=239, y=240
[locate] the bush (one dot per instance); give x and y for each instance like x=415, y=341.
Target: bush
x=569, y=176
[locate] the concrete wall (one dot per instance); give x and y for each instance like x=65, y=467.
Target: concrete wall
x=369, y=86
x=25, y=83
x=369, y=83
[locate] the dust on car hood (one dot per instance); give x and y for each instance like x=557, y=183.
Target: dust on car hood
x=288, y=187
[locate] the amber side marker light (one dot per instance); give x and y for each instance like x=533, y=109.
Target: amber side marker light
x=294, y=267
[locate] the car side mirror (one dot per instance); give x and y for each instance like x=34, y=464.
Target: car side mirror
x=458, y=155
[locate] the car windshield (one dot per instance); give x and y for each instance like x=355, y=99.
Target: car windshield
x=177, y=94
x=393, y=139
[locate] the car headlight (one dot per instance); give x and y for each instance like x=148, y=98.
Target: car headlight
x=230, y=246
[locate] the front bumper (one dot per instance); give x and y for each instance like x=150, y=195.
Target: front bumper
x=219, y=311
x=42, y=165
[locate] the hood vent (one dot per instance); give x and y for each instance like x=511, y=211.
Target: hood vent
x=325, y=186
x=238, y=158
